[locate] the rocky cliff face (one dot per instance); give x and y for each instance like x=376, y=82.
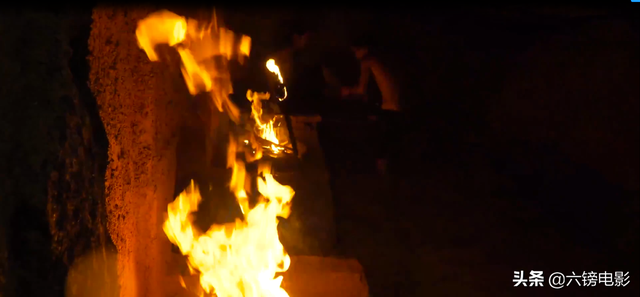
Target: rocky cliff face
x=140, y=109
x=52, y=154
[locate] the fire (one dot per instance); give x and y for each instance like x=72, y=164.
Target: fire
x=271, y=65
x=265, y=129
x=240, y=258
x=197, y=46
x=236, y=259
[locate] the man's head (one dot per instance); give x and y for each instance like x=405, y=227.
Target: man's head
x=294, y=34
x=360, y=51
x=299, y=32
x=360, y=47
x=300, y=39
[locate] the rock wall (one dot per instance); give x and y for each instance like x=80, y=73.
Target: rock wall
x=139, y=105
x=52, y=154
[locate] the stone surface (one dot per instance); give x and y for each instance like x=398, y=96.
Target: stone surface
x=140, y=104
x=51, y=158
x=310, y=276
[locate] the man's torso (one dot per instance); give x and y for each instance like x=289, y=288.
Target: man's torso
x=386, y=83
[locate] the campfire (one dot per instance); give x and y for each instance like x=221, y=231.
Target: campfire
x=240, y=258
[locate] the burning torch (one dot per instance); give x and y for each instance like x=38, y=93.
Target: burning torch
x=281, y=89
x=280, y=92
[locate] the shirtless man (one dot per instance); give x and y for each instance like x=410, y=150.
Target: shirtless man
x=390, y=117
x=370, y=65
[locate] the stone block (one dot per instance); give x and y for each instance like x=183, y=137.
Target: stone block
x=140, y=104
x=310, y=276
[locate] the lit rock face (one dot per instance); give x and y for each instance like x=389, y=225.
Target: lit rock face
x=37, y=105
x=139, y=105
x=51, y=153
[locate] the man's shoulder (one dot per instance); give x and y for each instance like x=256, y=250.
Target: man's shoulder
x=370, y=60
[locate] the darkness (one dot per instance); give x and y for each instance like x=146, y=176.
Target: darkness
x=519, y=149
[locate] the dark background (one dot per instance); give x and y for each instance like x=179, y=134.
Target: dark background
x=521, y=153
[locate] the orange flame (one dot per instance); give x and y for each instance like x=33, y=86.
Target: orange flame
x=197, y=48
x=271, y=65
x=265, y=128
x=240, y=258
x=236, y=259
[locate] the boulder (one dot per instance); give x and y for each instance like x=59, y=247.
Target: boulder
x=310, y=276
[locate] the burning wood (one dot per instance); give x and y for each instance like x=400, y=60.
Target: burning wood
x=240, y=258
x=268, y=130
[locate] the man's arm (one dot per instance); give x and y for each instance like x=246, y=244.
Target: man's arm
x=365, y=73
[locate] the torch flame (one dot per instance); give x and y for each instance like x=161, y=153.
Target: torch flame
x=241, y=258
x=271, y=65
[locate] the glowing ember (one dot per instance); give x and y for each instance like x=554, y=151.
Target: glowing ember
x=240, y=258
x=271, y=65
